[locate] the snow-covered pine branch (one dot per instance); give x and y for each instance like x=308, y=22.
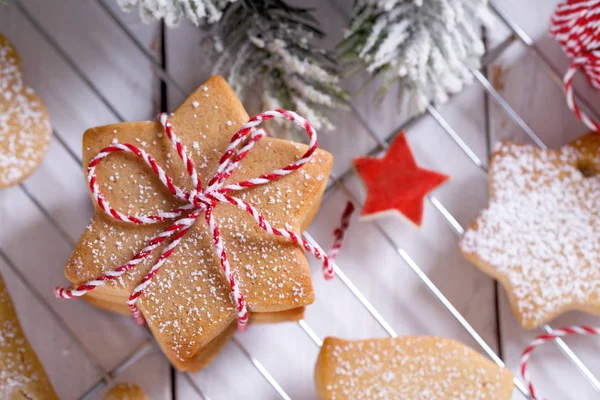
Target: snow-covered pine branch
x=427, y=46
x=267, y=45
x=199, y=12
x=264, y=45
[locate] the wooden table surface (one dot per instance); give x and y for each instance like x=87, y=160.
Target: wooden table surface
x=94, y=48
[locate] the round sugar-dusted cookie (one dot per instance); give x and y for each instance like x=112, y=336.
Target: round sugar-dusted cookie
x=126, y=391
x=24, y=124
x=539, y=233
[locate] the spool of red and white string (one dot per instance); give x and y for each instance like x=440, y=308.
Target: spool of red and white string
x=548, y=337
x=575, y=24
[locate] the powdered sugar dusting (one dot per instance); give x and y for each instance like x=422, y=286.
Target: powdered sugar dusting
x=24, y=126
x=424, y=368
x=539, y=233
x=20, y=372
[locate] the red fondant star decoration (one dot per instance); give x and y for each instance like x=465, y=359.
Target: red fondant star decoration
x=395, y=183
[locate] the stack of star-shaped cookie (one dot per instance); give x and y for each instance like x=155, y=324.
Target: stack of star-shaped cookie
x=188, y=305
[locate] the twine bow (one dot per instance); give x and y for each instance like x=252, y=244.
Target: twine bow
x=575, y=25
x=200, y=200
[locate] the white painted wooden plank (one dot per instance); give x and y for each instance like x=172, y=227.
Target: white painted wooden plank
x=100, y=49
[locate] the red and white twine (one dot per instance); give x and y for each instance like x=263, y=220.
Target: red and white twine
x=548, y=337
x=575, y=24
x=199, y=201
x=339, y=232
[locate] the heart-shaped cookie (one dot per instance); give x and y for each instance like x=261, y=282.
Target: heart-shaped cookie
x=24, y=124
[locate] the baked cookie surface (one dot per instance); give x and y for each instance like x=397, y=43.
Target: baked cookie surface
x=539, y=235
x=24, y=124
x=21, y=373
x=126, y=391
x=408, y=368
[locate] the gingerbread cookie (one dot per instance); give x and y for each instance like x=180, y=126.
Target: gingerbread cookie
x=411, y=368
x=126, y=391
x=188, y=304
x=24, y=124
x=21, y=374
x=539, y=233
x=396, y=184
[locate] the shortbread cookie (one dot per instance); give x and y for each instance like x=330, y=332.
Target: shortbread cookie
x=119, y=307
x=24, y=124
x=188, y=303
x=395, y=184
x=408, y=368
x=539, y=233
x=21, y=374
x=126, y=391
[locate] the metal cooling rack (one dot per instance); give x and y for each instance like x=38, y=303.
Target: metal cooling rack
x=517, y=34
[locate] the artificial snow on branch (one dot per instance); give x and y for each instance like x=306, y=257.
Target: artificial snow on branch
x=427, y=46
x=199, y=12
x=268, y=43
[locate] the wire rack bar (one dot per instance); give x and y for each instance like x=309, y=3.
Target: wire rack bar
x=455, y=137
x=311, y=334
x=490, y=89
x=263, y=371
x=195, y=386
x=355, y=291
x=62, y=233
x=64, y=144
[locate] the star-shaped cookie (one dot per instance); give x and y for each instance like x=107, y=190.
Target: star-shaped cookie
x=188, y=306
x=411, y=368
x=395, y=183
x=539, y=235
x=24, y=124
